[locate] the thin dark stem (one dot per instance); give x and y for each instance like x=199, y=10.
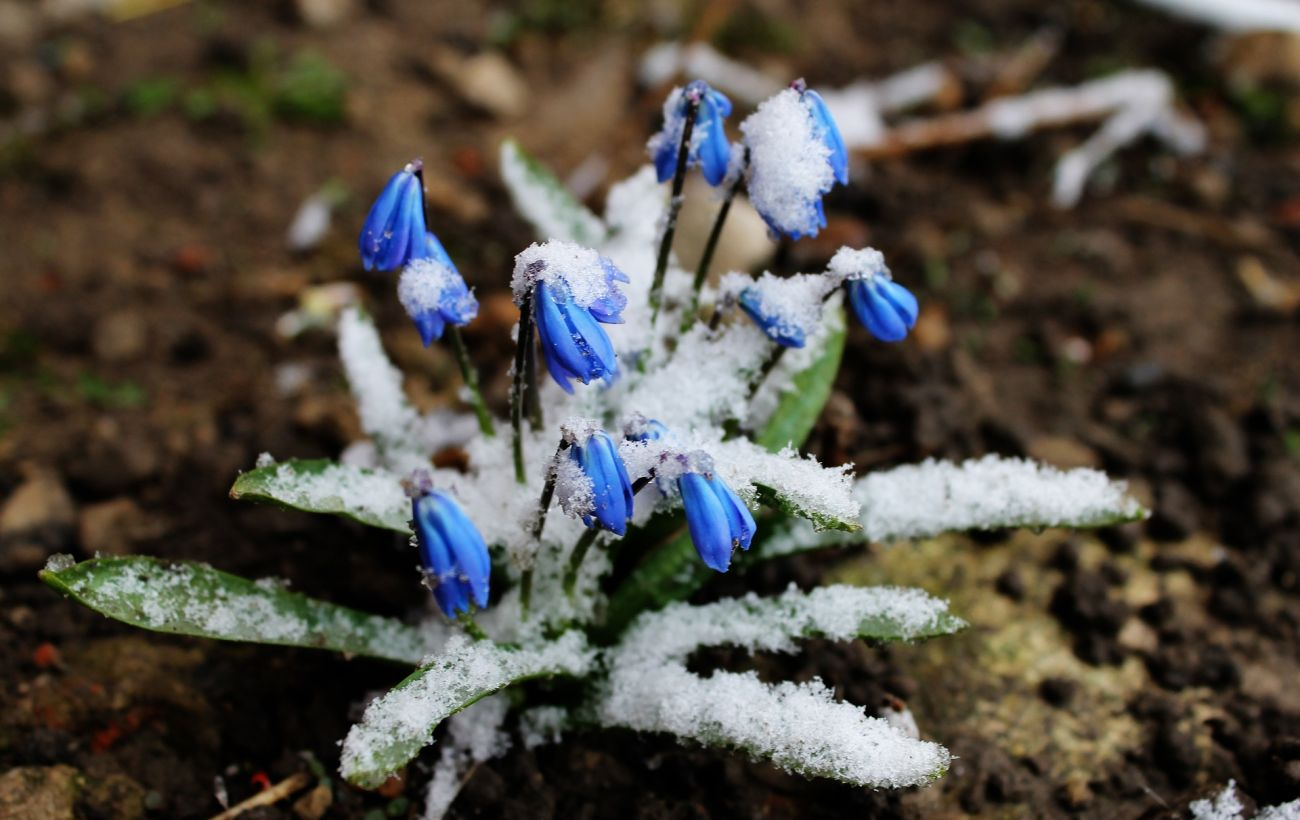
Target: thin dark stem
x=470, y=375
x=674, y=206
x=539, y=523
x=523, y=349
x=575, y=560
x=532, y=393
x=773, y=359
x=706, y=259
x=467, y=623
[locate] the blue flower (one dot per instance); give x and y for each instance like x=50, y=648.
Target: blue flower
x=796, y=155
x=887, y=309
x=640, y=428
x=452, y=553
x=709, y=147
x=717, y=519
x=394, y=232
x=434, y=294
x=778, y=327
x=611, y=490
x=574, y=344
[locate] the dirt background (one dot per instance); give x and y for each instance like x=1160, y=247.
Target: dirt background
x=149, y=169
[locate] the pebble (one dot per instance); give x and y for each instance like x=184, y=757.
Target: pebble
x=36, y=521
x=119, y=337
x=486, y=80
x=324, y=13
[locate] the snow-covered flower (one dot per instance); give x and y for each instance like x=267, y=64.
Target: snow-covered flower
x=716, y=517
x=395, y=232
x=887, y=309
x=611, y=502
x=452, y=552
x=709, y=148
x=574, y=291
x=434, y=294
x=777, y=325
x=796, y=155
x=640, y=428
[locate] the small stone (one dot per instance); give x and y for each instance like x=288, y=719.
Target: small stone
x=39, y=792
x=36, y=521
x=324, y=13
x=120, y=337
x=314, y=804
x=1063, y=452
x=114, y=527
x=487, y=81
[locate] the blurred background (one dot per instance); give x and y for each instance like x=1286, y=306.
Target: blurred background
x=181, y=188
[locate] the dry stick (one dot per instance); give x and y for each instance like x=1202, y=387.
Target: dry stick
x=267, y=797
x=470, y=375
x=706, y=259
x=523, y=349
x=674, y=206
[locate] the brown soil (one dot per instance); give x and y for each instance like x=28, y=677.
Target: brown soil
x=144, y=267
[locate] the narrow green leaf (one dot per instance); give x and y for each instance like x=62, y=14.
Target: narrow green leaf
x=800, y=406
x=370, y=497
x=186, y=598
x=544, y=201
x=397, y=725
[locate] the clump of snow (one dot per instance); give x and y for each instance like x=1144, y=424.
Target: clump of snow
x=1225, y=805
x=799, y=727
x=397, y=724
x=789, y=164
x=988, y=493
x=793, y=303
x=423, y=283
x=577, y=429
x=374, y=496
x=573, y=488
x=850, y=263
x=386, y=415
x=822, y=494
x=473, y=736
x=576, y=270
x=541, y=725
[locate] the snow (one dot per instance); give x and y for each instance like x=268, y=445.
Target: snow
x=386, y=415
x=422, y=285
x=799, y=727
x=823, y=494
x=542, y=725
x=1224, y=806
x=547, y=206
x=792, y=303
x=1238, y=15
x=373, y=495
x=473, y=736
x=789, y=164
x=577, y=269
x=850, y=263
x=574, y=489
x=464, y=672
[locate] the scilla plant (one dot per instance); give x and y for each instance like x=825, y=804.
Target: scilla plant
x=664, y=444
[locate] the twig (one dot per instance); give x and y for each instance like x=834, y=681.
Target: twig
x=268, y=797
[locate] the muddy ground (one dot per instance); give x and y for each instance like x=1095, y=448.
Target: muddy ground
x=149, y=169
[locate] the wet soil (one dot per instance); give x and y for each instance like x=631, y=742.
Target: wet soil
x=1116, y=674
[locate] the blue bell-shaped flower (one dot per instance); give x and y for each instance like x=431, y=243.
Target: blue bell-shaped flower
x=611, y=490
x=887, y=309
x=718, y=520
x=394, y=232
x=452, y=553
x=434, y=294
x=709, y=148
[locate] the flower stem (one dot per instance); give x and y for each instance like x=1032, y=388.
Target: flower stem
x=467, y=623
x=539, y=523
x=773, y=359
x=706, y=259
x=575, y=560
x=674, y=206
x=470, y=376
x=523, y=352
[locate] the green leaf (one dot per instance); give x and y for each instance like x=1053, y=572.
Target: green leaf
x=370, y=497
x=397, y=725
x=187, y=598
x=784, y=504
x=671, y=573
x=801, y=405
x=544, y=201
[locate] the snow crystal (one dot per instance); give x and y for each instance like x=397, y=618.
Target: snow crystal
x=1225, y=806
x=578, y=269
x=264, y=459
x=991, y=492
x=789, y=164
x=422, y=284
x=541, y=725
x=800, y=727
x=1284, y=811
x=374, y=496
x=406, y=716
x=474, y=735
x=573, y=488
x=848, y=263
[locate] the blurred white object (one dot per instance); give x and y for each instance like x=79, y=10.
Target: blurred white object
x=1236, y=15
x=311, y=223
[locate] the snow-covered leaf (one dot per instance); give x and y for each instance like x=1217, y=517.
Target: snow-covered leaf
x=387, y=416
x=194, y=599
x=785, y=481
x=923, y=500
x=801, y=404
x=371, y=497
x=397, y=725
x=799, y=727
x=544, y=201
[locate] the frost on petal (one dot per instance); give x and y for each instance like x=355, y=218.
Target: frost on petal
x=790, y=165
